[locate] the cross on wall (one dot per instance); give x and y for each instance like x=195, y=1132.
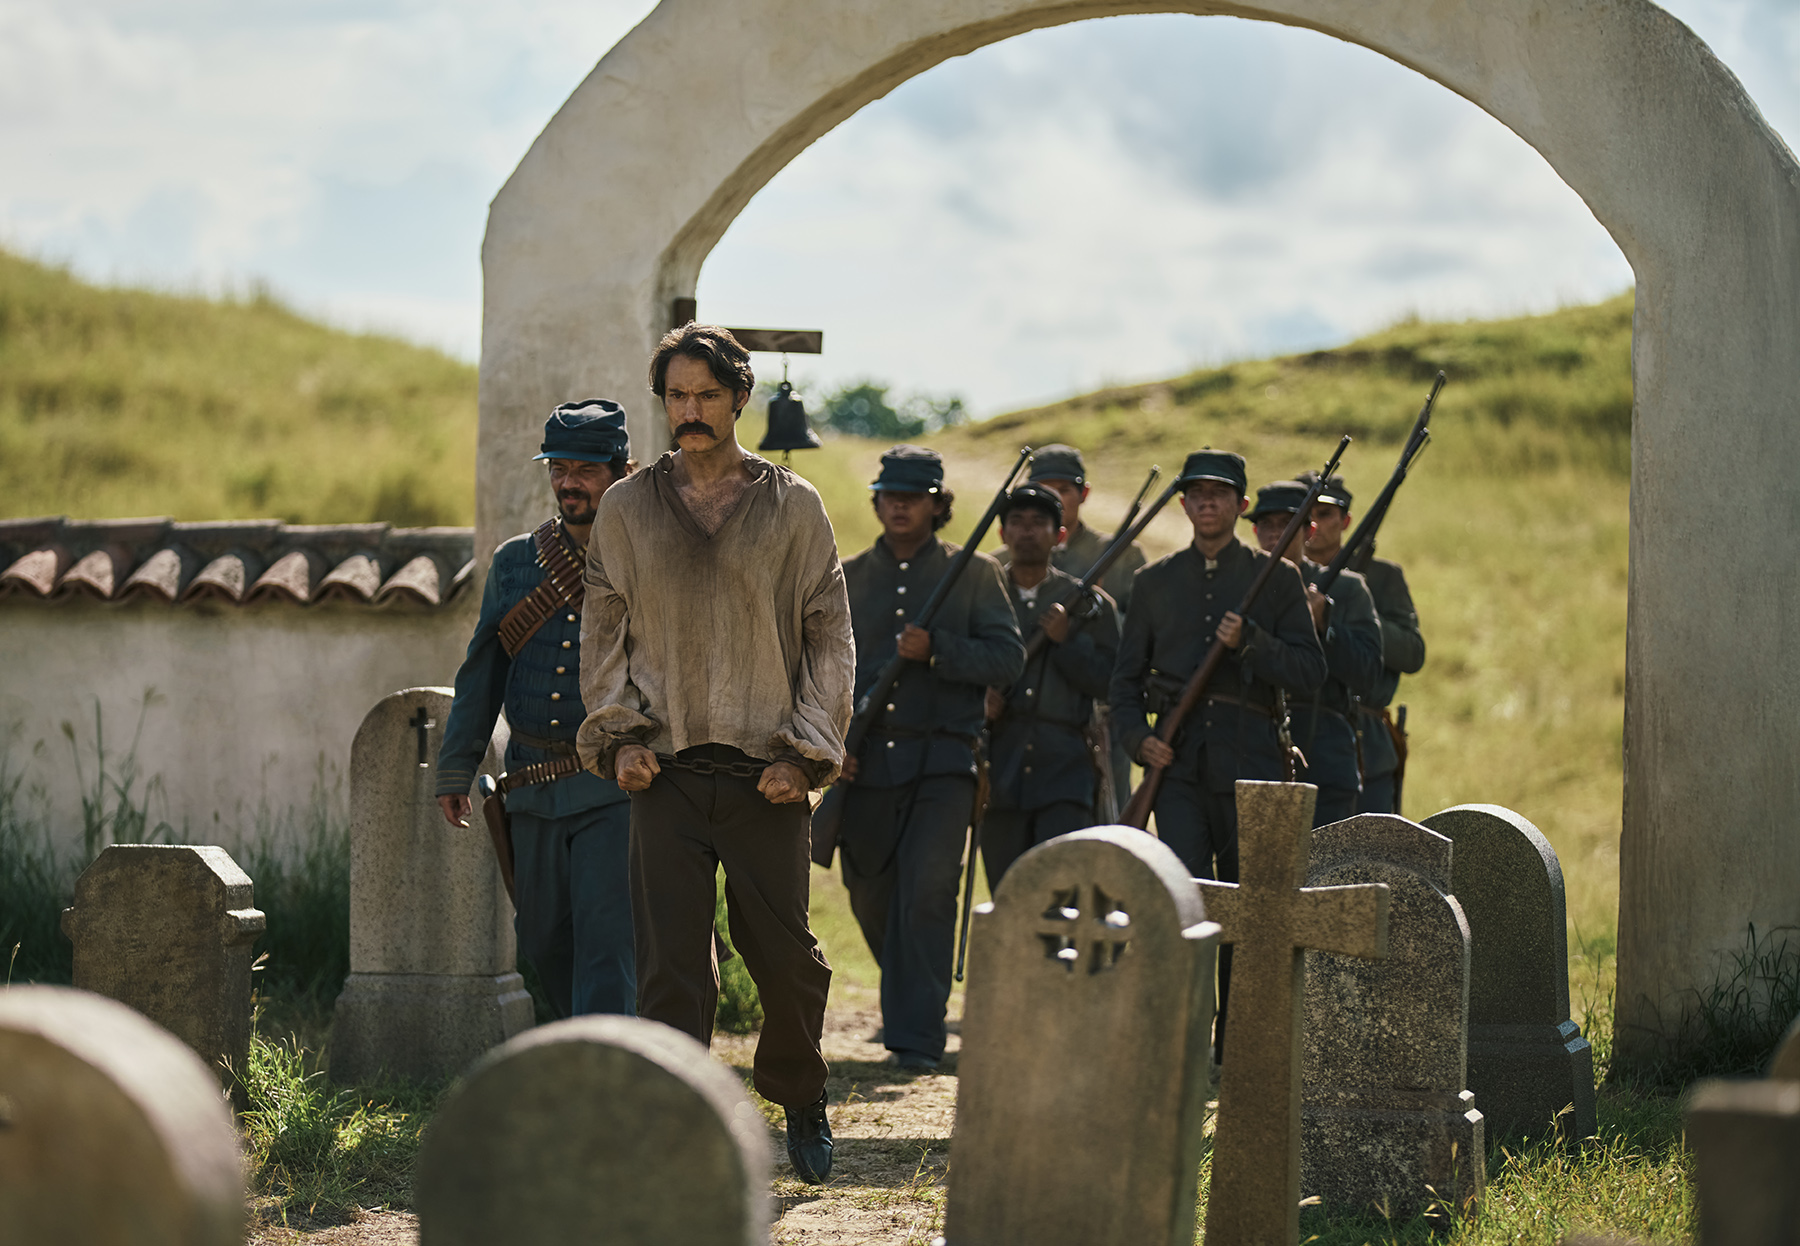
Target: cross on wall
x=1271, y=919
x=422, y=723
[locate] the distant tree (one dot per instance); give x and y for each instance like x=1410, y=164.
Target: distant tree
x=862, y=409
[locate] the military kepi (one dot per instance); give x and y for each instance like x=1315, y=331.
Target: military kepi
x=1281, y=498
x=591, y=431
x=1058, y=462
x=1221, y=465
x=1037, y=496
x=1334, y=494
x=910, y=469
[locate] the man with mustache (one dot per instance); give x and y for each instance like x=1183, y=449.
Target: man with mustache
x=570, y=830
x=716, y=661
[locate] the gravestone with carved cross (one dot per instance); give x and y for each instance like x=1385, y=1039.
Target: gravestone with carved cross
x=1271, y=920
x=432, y=981
x=1081, y=1088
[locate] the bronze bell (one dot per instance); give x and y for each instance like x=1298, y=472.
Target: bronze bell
x=788, y=429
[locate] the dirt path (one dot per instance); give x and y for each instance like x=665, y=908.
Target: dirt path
x=892, y=1133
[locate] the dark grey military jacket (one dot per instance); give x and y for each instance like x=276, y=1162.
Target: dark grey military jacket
x=1402, y=653
x=1038, y=755
x=1323, y=719
x=1176, y=606
x=938, y=709
x=1082, y=551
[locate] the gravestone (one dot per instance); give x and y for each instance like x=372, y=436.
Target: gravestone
x=432, y=981
x=1785, y=1064
x=1387, y=1125
x=1528, y=1063
x=168, y=930
x=1081, y=1092
x=597, y=1128
x=1270, y=919
x=1746, y=1142
x=112, y=1131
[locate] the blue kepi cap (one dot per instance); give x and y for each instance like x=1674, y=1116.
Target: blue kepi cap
x=910, y=469
x=1220, y=465
x=592, y=431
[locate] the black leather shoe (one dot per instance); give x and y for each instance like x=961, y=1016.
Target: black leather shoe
x=809, y=1142
x=912, y=1061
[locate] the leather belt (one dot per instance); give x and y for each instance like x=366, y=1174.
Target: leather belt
x=1227, y=699
x=539, y=772
x=563, y=748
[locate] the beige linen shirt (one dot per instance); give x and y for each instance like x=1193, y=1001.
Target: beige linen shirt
x=741, y=638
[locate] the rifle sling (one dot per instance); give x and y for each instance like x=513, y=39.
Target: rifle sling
x=561, y=588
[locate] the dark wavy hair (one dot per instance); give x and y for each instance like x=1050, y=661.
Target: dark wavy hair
x=723, y=356
x=938, y=518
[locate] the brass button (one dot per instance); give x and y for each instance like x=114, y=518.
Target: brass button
x=562, y=670
x=565, y=644
x=901, y=589
x=556, y=722
x=890, y=744
x=899, y=613
x=556, y=696
x=890, y=707
x=1028, y=770
x=905, y=565
x=1031, y=692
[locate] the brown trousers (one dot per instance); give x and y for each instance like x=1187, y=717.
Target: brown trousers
x=683, y=826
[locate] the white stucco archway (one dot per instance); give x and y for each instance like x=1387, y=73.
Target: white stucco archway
x=611, y=213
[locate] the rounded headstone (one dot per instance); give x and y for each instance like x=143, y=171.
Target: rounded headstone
x=111, y=1129
x=598, y=1128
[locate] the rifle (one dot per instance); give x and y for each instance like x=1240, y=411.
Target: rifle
x=1111, y=554
x=1137, y=501
x=1137, y=812
x=873, y=705
x=1371, y=520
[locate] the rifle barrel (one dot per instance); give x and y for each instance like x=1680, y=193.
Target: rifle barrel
x=1377, y=514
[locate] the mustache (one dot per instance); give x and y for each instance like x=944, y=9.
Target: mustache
x=694, y=426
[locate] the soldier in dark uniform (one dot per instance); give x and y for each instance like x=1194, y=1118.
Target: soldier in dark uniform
x=571, y=834
x=1350, y=634
x=912, y=791
x=1179, y=605
x=1061, y=469
x=1402, y=646
x=1041, y=777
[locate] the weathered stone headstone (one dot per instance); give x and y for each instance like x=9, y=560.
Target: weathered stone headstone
x=1081, y=1092
x=432, y=981
x=1270, y=919
x=1785, y=1065
x=167, y=930
x=112, y=1131
x=1527, y=1059
x=1386, y=1122
x=1746, y=1141
x=597, y=1128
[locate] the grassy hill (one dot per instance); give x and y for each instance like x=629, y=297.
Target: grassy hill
x=116, y=403
x=1512, y=530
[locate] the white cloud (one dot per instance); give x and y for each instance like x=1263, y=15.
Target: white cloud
x=1103, y=201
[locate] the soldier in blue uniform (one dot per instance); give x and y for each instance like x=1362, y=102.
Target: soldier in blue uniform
x=570, y=833
x=1350, y=633
x=912, y=792
x=1402, y=644
x=1041, y=778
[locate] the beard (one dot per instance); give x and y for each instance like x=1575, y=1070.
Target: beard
x=700, y=427
x=576, y=508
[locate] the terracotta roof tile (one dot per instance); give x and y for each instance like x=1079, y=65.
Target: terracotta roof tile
x=233, y=562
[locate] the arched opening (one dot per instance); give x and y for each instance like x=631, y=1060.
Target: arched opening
x=611, y=214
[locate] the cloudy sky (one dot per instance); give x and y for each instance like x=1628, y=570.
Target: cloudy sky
x=1107, y=201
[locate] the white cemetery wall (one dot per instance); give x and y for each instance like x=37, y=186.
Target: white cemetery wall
x=252, y=705
x=610, y=215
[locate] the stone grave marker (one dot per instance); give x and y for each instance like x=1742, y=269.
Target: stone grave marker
x=1081, y=1092
x=168, y=930
x=1528, y=1063
x=112, y=1131
x=1785, y=1064
x=597, y=1128
x=1387, y=1125
x=432, y=982
x=1746, y=1141
x=1270, y=918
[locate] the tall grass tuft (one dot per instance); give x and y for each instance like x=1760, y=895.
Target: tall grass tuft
x=740, y=1005
x=35, y=887
x=317, y=1153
